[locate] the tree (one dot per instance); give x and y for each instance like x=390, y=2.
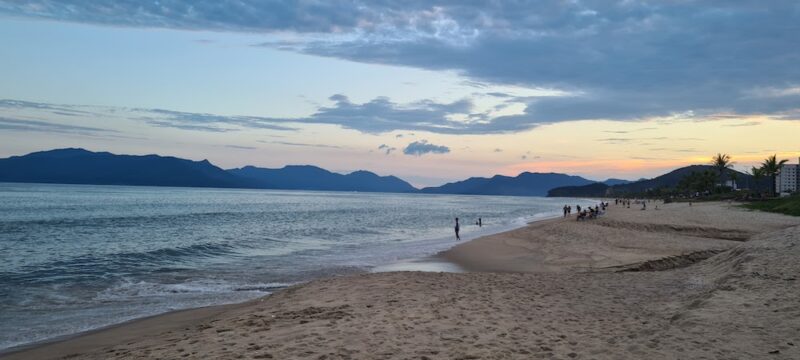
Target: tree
x=772, y=167
x=721, y=162
x=698, y=182
x=758, y=174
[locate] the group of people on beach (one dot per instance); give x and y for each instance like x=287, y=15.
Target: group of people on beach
x=583, y=214
x=591, y=212
x=627, y=203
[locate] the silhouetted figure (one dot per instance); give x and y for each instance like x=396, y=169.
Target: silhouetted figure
x=565, y=210
x=480, y=222
x=457, y=229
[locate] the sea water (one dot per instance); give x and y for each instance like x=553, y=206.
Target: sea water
x=80, y=257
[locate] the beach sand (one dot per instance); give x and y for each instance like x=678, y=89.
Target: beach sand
x=707, y=281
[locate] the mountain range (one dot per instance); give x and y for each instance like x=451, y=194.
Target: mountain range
x=80, y=166
x=667, y=180
x=525, y=184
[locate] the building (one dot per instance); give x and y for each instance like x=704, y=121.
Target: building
x=787, y=180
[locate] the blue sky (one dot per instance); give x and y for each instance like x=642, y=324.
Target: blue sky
x=429, y=91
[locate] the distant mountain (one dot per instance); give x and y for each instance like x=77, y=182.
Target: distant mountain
x=306, y=177
x=79, y=166
x=612, y=182
x=525, y=184
x=668, y=180
x=592, y=190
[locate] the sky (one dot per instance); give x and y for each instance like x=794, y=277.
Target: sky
x=430, y=91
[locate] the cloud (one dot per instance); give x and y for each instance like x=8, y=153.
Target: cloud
x=240, y=147
x=422, y=147
x=677, y=56
x=748, y=123
x=386, y=148
x=381, y=115
x=155, y=117
x=208, y=122
x=7, y=123
x=622, y=60
x=674, y=150
x=615, y=140
x=229, y=15
x=301, y=144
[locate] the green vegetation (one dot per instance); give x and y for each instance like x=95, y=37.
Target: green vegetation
x=771, y=167
x=709, y=185
x=788, y=205
x=721, y=162
x=758, y=174
x=701, y=182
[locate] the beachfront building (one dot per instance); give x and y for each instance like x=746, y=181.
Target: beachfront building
x=787, y=180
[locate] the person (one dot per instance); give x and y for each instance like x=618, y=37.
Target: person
x=457, y=229
x=644, y=205
x=480, y=222
x=565, y=210
x=578, y=208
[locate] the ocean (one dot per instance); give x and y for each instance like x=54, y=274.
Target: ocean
x=79, y=257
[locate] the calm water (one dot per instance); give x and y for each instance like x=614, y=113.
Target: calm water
x=76, y=257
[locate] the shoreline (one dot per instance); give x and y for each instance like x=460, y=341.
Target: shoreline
x=430, y=263
x=351, y=307
x=389, y=254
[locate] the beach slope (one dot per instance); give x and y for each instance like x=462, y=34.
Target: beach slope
x=604, y=290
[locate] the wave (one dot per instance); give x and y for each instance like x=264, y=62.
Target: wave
x=126, y=290
x=115, y=220
x=90, y=266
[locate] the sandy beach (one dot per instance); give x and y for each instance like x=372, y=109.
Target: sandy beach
x=708, y=281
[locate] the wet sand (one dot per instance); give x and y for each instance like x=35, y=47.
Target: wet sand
x=710, y=281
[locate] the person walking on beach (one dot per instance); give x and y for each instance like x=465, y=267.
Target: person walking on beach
x=565, y=210
x=457, y=229
x=480, y=222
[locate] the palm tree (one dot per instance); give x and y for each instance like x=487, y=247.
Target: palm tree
x=721, y=162
x=757, y=173
x=772, y=167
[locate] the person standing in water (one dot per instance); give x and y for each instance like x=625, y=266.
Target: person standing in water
x=457, y=229
x=480, y=222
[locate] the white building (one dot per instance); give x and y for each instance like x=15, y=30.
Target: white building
x=787, y=180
